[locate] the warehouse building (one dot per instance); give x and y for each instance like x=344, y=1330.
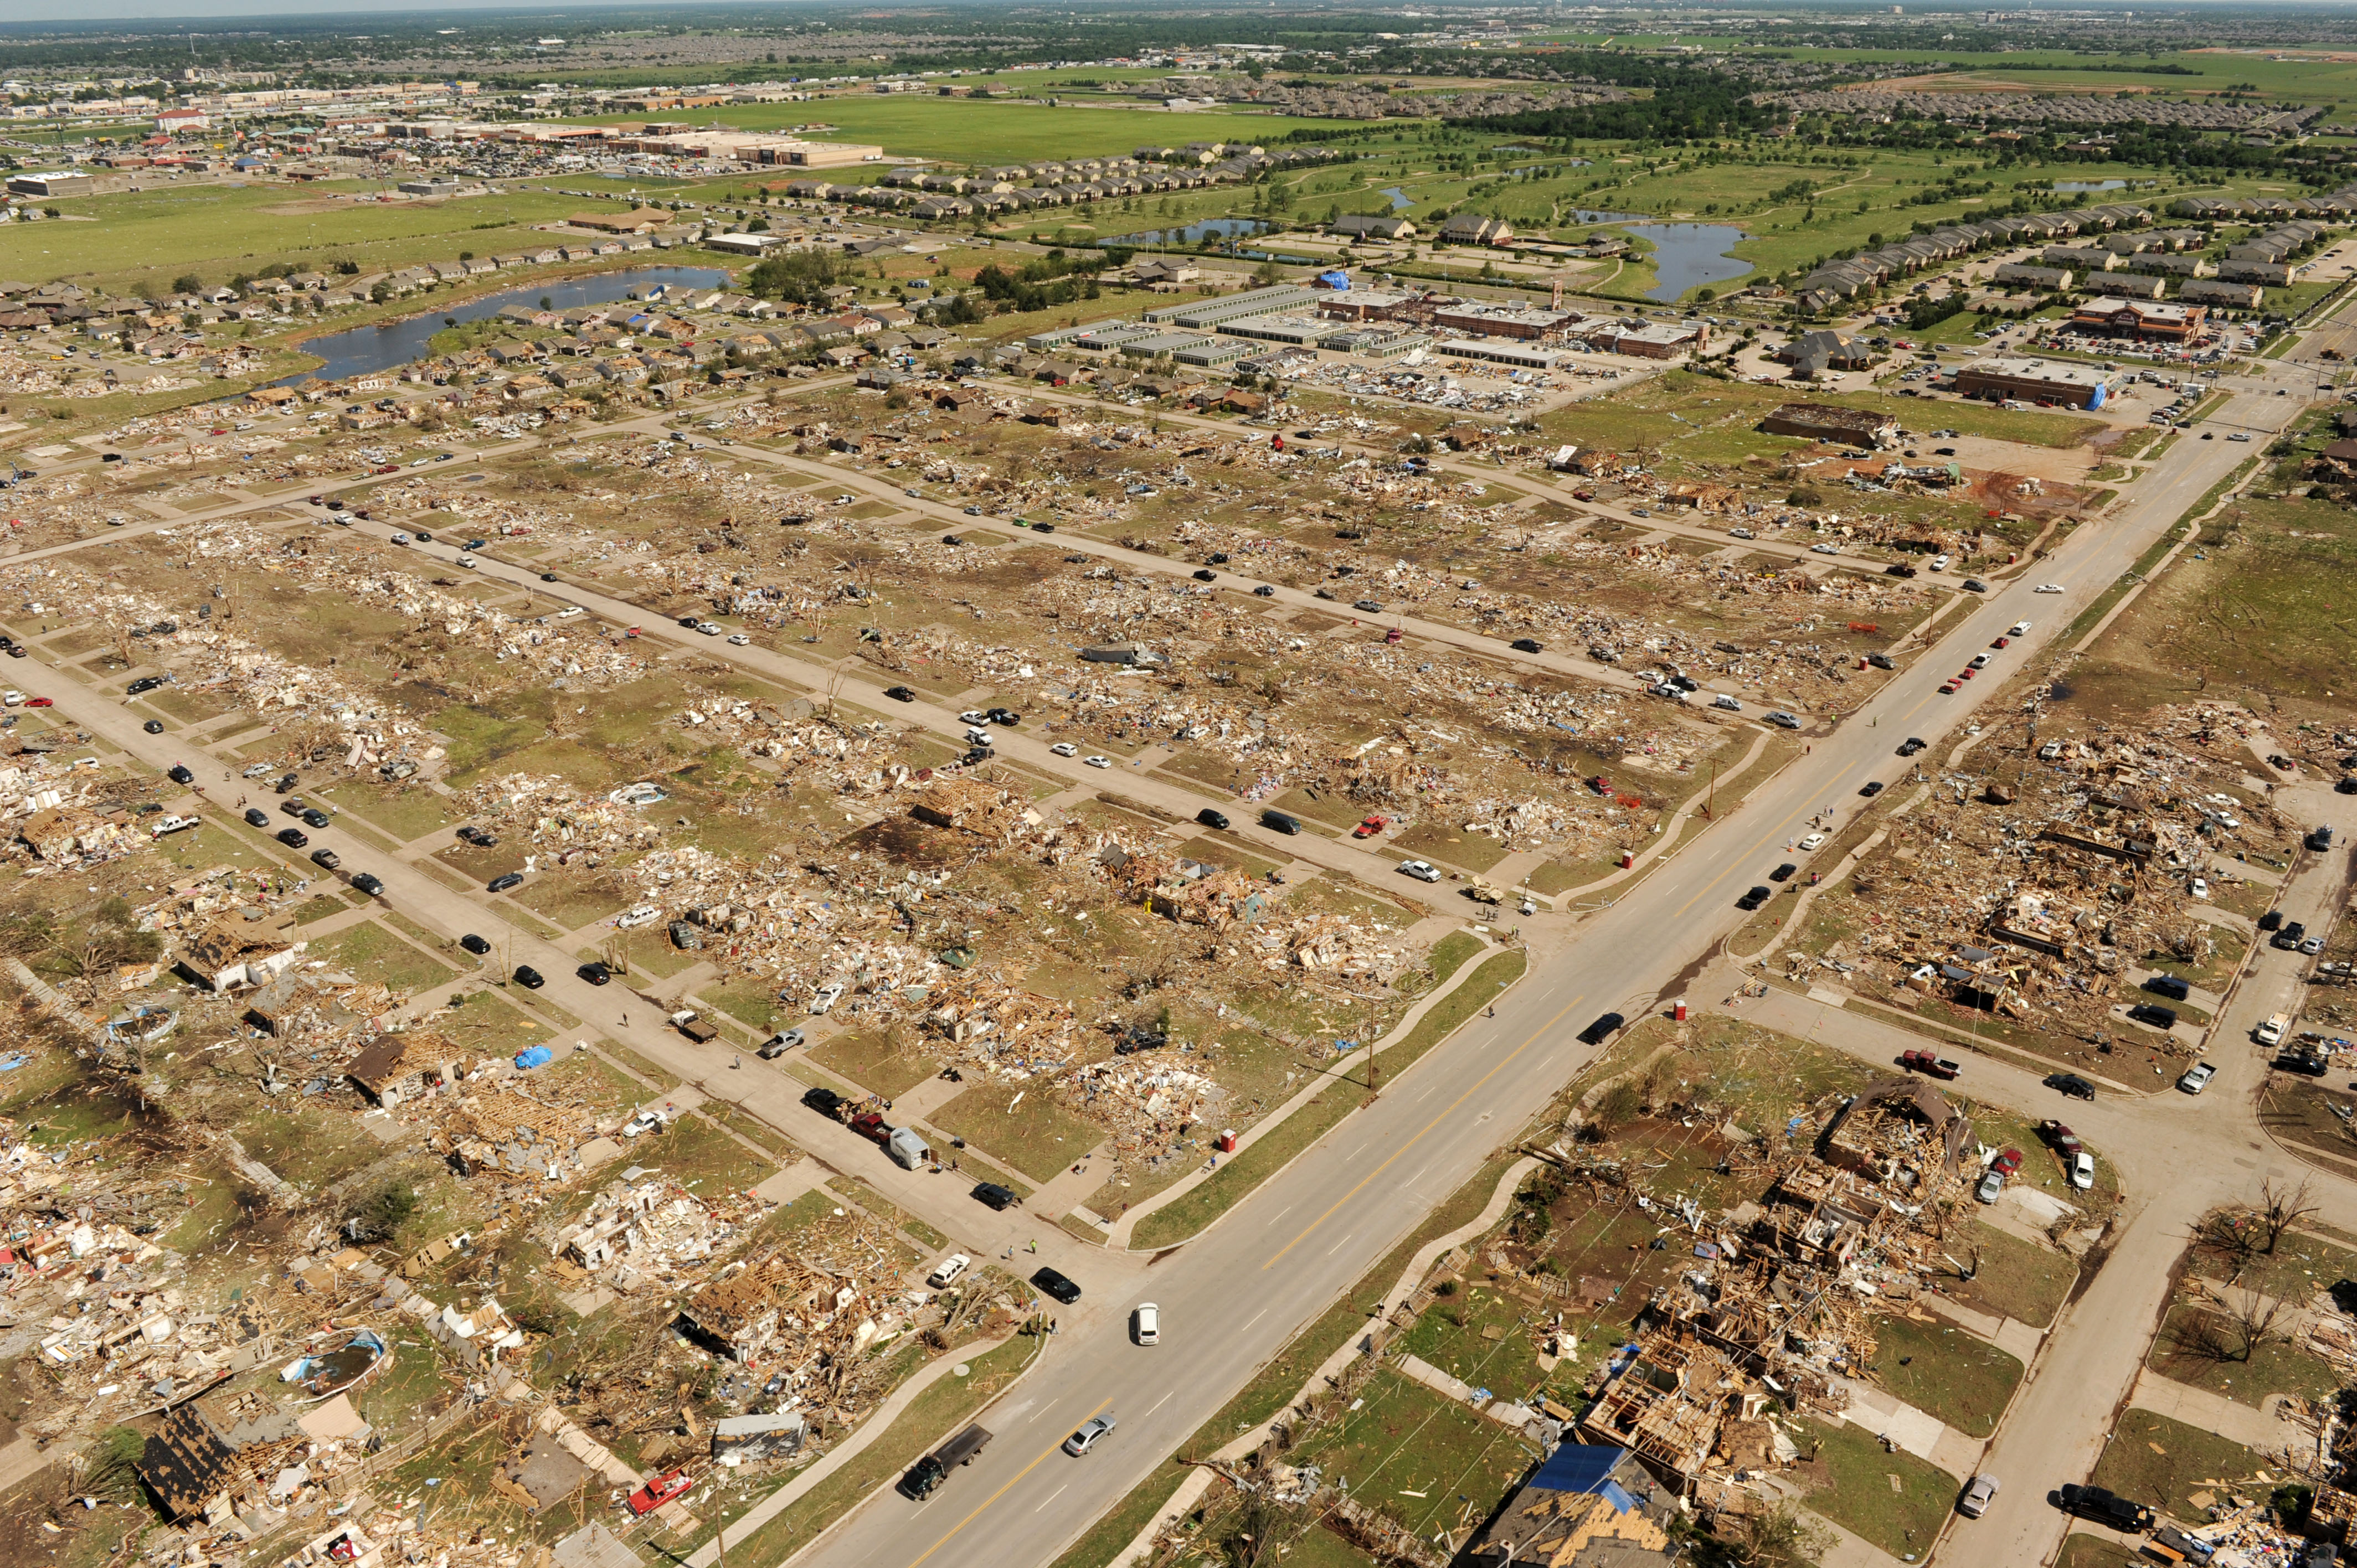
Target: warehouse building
x=2064, y=381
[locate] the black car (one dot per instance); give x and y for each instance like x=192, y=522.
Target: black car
x=1911, y=745
x=421, y=532
x=548, y=576
x=1754, y=896
x=153, y=726
x=1596, y=1033
x=595, y=972
x=286, y=781
x=2271, y=920
x=256, y=817
x=293, y=838
x=1783, y=873
x=529, y=978
x=1873, y=787
x=2319, y=838
x=1527, y=645
x=952, y=539
x=16, y=651
x=901, y=693
x=1043, y=528
x=1277, y=822
x=2168, y=985
x=1211, y=817
x=326, y=858
x=2071, y=1084
x=1206, y=575
x=1686, y=683
x=1217, y=558
x=1056, y=1284
x=995, y=1195
x=823, y=1101
x=1006, y=719
x=2344, y=785
x=501, y=884
x=691, y=622
x=2309, y=1064
x=2105, y=1507
x=474, y=944
x=367, y=883
x=145, y=683
x=1900, y=570
x=1973, y=586
x=2154, y=1013
x=1266, y=591
x=180, y=774
x=316, y=818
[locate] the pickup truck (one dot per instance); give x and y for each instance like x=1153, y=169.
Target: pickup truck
x=1931, y=1063
x=2059, y=1138
x=2108, y=1508
x=2272, y=1031
x=662, y=1490
x=925, y=1476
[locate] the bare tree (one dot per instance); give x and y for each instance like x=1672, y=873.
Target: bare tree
x=2280, y=1209
x=2230, y=1237
x=2250, y=1324
x=1777, y=1538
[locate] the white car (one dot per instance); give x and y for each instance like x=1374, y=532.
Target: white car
x=2197, y=1078
x=709, y=628
x=401, y=539
x=951, y=1268
x=1825, y=549
x=2082, y=1170
x=977, y=735
x=1420, y=869
x=651, y=1119
x=12, y=698
x=828, y=995
x=1977, y=1497
x=973, y=716
x=172, y=825
x=1145, y=1323
x=738, y=639
x=2019, y=629
x=1722, y=701
x=1939, y=562
x=2197, y=888
x=644, y=915
x=468, y=561
x=1740, y=533
x=1065, y=748
x=1813, y=841
x=2237, y=436
x=258, y=769
x=1095, y=761
x=2047, y=588
x=570, y=612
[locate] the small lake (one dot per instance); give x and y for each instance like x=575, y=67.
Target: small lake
x=1399, y=197
x=1193, y=234
x=362, y=350
x=1687, y=255
x=1586, y=215
x=2091, y=185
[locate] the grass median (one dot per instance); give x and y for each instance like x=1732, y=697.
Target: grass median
x=1192, y=1211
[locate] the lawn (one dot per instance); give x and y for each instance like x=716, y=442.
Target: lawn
x=407, y=814
x=2182, y=1352
x=2163, y=1463
x=372, y=952
x=1019, y=1126
x=2024, y=1281
x=2082, y=1551
x=1946, y=1372
x=880, y=1065
x=700, y=1155
x=1896, y=1502
x=1414, y=1452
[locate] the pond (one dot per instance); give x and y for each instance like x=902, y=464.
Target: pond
x=1687, y=255
x=1193, y=234
x=381, y=347
x=1400, y=198
x=2091, y=185
x=1584, y=215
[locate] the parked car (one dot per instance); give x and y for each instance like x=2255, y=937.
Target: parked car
x=529, y=978
x=1369, y=826
x=474, y=944
x=1931, y=1063
x=595, y=972
x=1991, y=1185
x=992, y=1195
x=2071, y=1084
x=1422, y=870
x=2106, y=1508
x=1527, y=645
x=2082, y=1170
x=1061, y=1287
x=1145, y=1323
x=367, y=883
x=293, y=838
x=2155, y=1014
x=946, y=1272
x=823, y=1101
x=1211, y=817
x=256, y=817
x=1604, y=1027
x=779, y=1044
x=1978, y=1494
x=1911, y=746
x=1754, y=896
x=1278, y=822
x=669, y=1486
x=325, y=859
x=901, y=693
x=1783, y=873
x=2197, y=1078
x=501, y=884
x=2168, y=985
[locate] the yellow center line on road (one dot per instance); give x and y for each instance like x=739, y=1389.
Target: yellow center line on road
x=1472, y=1089
x=993, y=1496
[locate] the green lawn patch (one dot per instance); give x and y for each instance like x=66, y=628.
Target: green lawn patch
x=2162, y=1463
x=1406, y=1439
x=877, y=1063
x=701, y=1156
x=1449, y=952
x=1019, y=1125
x=2181, y=1352
x=1850, y=1482
x=373, y=954
x=1943, y=1370
x=2024, y=1281
x=1429, y=841
x=1205, y=1202
x=883, y=1208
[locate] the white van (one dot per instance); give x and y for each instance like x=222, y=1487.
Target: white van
x=1146, y=1323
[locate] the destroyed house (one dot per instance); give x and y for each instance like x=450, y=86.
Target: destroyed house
x=1900, y=1131
x=2134, y=853
x=1666, y=1406
x=215, y=1447
x=1584, y=1507
x=1825, y=422
x=958, y=803
x=1748, y=1313
x=1816, y=1214
x=245, y=947
x=394, y=1067
x=739, y=1314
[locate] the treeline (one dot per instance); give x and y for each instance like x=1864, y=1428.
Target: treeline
x=1686, y=103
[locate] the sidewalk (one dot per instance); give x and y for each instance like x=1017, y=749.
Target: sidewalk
x=2261, y=1431
x=1920, y=1433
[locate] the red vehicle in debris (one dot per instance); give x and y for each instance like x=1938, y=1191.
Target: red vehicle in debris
x=2059, y=1138
x=2006, y=1163
x=1370, y=827
x=1931, y=1063
x=659, y=1490
x=1600, y=784
x=870, y=1125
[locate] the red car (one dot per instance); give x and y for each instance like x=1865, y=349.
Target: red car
x=1948, y=688
x=40, y=702
x=1370, y=827
x=2002, y=643
x=1967, y=674
x=2006, y=1163
x=1931, y=1063
x=659, y=1490
x=388, y=469
x=2059, y=1138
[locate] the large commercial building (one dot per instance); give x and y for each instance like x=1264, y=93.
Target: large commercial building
x=2140, y=319
x=2064, y=381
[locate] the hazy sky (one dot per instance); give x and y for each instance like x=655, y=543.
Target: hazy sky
x=98, y=10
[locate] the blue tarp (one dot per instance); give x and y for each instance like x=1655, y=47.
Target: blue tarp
x=1577, y=1467
x=538, y=1056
